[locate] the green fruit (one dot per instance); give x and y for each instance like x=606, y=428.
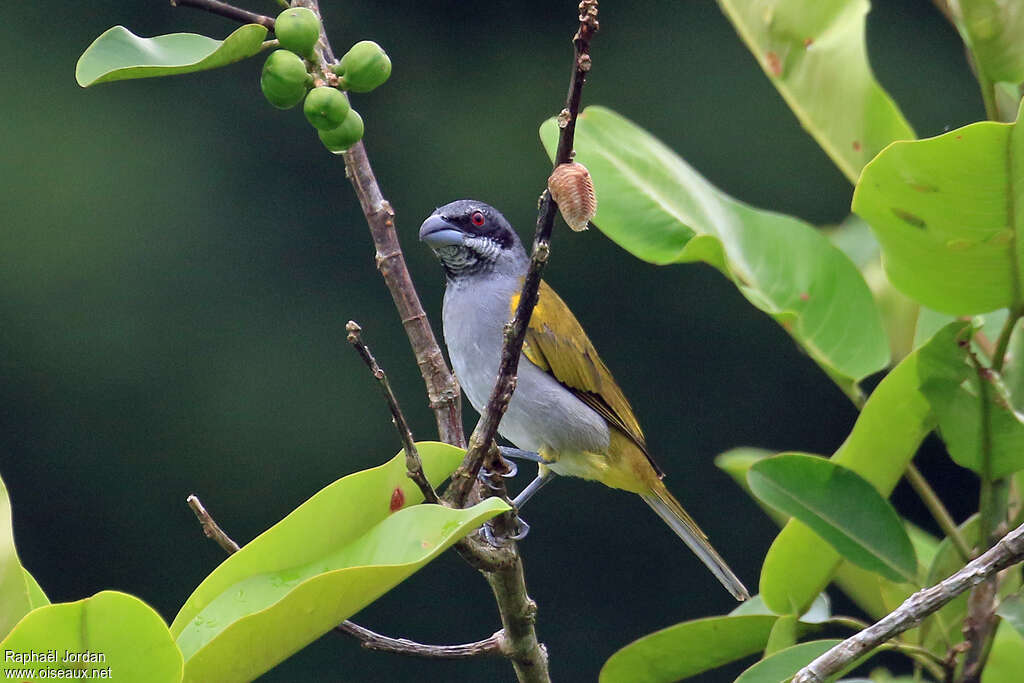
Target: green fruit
x=326, y=108
x=344, y=136
x=364, y=67
x=297, y=29
x=284, y=79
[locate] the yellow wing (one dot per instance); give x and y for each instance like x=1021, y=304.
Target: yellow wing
x=556, y=343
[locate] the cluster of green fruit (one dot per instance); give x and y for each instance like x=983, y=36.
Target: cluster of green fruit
x=286, y=80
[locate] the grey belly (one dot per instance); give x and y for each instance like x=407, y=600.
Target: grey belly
x=542, y=413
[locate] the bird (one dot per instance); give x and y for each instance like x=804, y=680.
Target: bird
x=566, y=409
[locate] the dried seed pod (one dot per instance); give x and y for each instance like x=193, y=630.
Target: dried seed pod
x=571, y=188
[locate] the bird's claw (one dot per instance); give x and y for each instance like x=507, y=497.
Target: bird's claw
x=521, y=530
x=486, y=476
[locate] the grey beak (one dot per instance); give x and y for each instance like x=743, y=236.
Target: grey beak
x=437, y=232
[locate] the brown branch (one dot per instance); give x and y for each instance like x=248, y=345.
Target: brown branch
x=413, y=464
x=226, y=10
x=515, y=331
x=210, y=528
x=488, y=647
x=495, y=645
x=1006, y=553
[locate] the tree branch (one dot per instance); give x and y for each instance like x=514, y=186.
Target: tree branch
x=371, y=640
x=515, y=330
x=210, y=528
x=1006, y=553
x=226, y=10
x=488, y=647
x=413, y=464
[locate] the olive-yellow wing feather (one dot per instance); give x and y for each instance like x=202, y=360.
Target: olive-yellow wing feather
x=556, y=343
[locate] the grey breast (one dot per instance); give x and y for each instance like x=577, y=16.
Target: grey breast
x=542, y=413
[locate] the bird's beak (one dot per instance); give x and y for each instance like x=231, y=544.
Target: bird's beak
x=437, y=233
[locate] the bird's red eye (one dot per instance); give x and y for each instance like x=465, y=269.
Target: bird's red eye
x=477, y=218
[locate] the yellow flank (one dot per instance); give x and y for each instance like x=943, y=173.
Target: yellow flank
x=556, y=343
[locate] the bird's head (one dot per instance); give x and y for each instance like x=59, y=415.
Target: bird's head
x=471, y=237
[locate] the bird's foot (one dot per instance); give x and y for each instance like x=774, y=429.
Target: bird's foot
x=517, y=534
x=487, y=476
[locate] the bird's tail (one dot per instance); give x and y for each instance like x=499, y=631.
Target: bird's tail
x=669, y=509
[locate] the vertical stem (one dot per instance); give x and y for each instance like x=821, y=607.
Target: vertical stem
x=938, y=511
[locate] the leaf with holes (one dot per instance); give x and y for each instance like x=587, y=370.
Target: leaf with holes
x=947, y=212
x=118, y=54
x=814, y=53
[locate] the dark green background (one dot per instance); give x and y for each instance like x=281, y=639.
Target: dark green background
x=178, y=261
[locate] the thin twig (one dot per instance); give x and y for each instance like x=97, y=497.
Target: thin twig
x=413, y=464
x=515, y=330
x=939, y=512
x=1006, y=553
x=488, y=647
x=210, y=528
x=226, y=10
x=370, y=639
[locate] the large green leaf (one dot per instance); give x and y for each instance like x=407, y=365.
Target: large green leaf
x=15, y=601
x=661, y=210
x=110, y=631
x=785, y=663
x=873, y=594
x=894, y=421
x=118, y=54
x=841, y=507
x=688, y=649
x=333, y=555
x=994, y=32
x=1006, y=659
x=948, y=213
x=1011, y=609
x=952, y=387
x=814, y=53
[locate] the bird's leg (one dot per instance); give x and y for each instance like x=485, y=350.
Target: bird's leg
x=544, y=476
x=522, y=528
x=520, y=454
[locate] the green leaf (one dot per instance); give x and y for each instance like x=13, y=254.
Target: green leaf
x=952, y=387
x=947, y=215
x=36, y=596
x=813, y=52
x=661, y=210
x=15, y=601
x=688, y=649
x=785, y=633
x=841, y=507
x=118, y=54
x=128, y=634
x=784, y=664
x=333, y=555
x=1006, y=659
x=894, y=421
x=1011, y=609
x=993, y=30
x=818, y=613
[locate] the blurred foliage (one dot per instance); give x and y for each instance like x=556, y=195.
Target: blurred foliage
x=178, y=261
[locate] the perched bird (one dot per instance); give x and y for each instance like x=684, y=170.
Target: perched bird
x=566, y=407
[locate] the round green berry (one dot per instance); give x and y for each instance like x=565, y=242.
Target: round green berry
x=364, y=67
x=325, y=108
x=298, y=29
x=284, y=79
x=342, y=137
